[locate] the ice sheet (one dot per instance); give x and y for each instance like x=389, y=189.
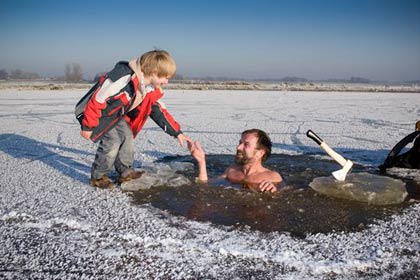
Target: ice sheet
x=159, y=175
x=54, y=226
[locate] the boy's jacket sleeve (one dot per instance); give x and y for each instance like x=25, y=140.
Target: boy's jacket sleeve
x=164, y=120
x=96, y=105
x=92, y=114
x=150, y=106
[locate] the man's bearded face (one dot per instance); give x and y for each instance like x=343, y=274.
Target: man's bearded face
x=242, y=158
x=247, y=149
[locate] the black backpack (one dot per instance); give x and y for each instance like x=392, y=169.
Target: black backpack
x=81, y=105
x=409, y=159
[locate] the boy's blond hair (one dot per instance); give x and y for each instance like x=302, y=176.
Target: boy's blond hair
x=159, y=62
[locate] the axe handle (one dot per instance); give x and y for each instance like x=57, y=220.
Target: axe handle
x=337, y=157
x=314, y=137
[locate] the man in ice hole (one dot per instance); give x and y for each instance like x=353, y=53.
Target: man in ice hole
x=253, y=149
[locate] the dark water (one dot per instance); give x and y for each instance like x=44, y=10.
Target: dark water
x=296, y=209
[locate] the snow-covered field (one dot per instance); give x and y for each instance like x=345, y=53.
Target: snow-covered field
x=54, y=226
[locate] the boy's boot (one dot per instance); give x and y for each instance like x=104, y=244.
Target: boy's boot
x=130, y=176
x=104, y=183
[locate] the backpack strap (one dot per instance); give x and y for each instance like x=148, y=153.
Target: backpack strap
x=138, y=81
x=400, y=145
x=397, y=149
x=140, y=90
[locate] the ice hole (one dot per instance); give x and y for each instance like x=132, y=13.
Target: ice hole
x=297, y=209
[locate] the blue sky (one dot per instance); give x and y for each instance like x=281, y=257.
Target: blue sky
x=375, y=39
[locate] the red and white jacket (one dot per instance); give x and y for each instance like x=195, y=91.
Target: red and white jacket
x=112, y=98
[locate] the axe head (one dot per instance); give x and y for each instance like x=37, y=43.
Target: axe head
x=341, y=174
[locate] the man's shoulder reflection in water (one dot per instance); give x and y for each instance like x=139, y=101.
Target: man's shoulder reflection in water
x=253, y=149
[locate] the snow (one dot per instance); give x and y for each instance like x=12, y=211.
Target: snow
x=54, y=226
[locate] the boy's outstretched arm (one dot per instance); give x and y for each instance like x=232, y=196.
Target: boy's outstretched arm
x=198, y=154
x=164, y=120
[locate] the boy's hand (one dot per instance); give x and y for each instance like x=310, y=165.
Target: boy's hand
x=181, y=138
x=86, y=134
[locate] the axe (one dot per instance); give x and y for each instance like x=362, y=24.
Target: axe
x=341, y=174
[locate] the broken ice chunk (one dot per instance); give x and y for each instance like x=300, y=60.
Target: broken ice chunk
x=365, y=187
x=156, y=175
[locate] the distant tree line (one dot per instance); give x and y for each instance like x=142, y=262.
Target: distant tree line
x=18, y=75
x=73, y=73
x=4, y=75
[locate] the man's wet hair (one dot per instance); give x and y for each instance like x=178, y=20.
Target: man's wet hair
x=264, y=141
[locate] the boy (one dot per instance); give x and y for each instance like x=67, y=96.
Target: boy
x=115, y=113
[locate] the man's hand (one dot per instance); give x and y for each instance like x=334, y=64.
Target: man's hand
x=196, y=151
x=182, y=138
x=266, y=186
x=86, y=134
x=198, y=154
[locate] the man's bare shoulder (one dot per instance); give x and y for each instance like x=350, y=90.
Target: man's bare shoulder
x=271, y=175
x=233, y=170
x=233, y=167
x=235, y=173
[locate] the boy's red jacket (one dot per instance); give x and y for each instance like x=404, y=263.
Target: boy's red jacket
x=150, y=106
x=112, y=97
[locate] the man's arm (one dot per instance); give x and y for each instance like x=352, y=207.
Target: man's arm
x=198, y=154
x=267, y=186
x=270, y=183
x=266, y=182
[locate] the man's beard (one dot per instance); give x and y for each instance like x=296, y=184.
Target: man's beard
x=242, y=159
